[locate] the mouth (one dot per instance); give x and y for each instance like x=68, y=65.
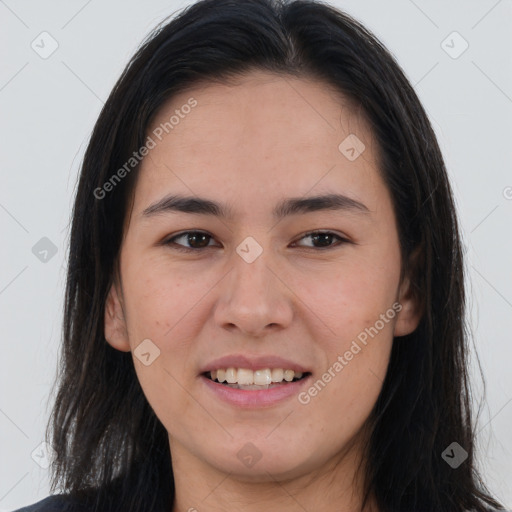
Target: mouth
x=246, y=379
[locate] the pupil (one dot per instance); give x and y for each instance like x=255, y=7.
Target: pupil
x=193, y=236
x=326, y=240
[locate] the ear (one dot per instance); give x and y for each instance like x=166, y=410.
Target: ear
x=410, y=314
x=116, y=332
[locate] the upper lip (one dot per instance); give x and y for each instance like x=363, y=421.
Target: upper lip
x=252, y=363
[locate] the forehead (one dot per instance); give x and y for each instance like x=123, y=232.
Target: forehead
x=257, y=134
x=263, y=104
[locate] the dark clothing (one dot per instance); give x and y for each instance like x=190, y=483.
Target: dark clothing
x=56, y=503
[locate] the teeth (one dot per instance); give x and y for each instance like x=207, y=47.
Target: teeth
x=246, y=377
x=262, y=377
x=277, y=374
x=231, y=375
x=288, y=375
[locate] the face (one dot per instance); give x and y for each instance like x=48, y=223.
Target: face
x=313, y=287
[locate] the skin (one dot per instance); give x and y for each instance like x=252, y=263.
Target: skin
x=251, y=144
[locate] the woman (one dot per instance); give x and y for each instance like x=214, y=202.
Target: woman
x=265, y=294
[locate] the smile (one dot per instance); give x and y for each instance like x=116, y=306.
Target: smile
x=246, y=388
x=244, y=378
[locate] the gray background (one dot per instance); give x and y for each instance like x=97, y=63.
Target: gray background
x=48, y=109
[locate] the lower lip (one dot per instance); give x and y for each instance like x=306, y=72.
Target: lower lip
x=252, y=398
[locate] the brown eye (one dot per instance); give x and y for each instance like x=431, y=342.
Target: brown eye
x=197, y=240
x=323, y=239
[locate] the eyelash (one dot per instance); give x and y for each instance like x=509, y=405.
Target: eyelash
x=178, y=247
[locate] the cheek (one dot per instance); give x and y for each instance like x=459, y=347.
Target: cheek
x=164, y=307
x=163, y=302
x=343, y=396
x=356, y=303
x=354, y=296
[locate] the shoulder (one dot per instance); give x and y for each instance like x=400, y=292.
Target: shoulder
x=55, y=503
x=83, y=500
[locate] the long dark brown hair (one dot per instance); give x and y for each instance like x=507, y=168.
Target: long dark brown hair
x=111, y=448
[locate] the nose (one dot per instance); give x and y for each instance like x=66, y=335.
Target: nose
x=254, y=298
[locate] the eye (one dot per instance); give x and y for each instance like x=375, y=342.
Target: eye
x=198, y=240
x=323, y=239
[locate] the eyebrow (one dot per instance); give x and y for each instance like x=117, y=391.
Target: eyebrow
x=287, y=207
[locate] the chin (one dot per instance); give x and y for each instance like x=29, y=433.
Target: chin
x=248, y=464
